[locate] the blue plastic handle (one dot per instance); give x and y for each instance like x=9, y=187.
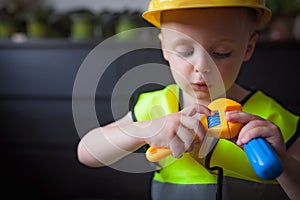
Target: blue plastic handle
x=263, y=159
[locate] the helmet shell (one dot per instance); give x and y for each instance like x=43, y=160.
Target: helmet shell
x=156, y=7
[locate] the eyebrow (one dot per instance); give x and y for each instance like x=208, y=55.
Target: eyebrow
x=224, y=40
x=185, y=39
x=231, y=43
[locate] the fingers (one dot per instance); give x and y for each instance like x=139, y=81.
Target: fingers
x=241, y=117
x=254, y=127
x=180, y=130
x=182, y=142
x=194, y=125
x=252, y=130
x=190, y=127
x=177, y=147
x=197, y=108
x=191, y=119
x=187, y=137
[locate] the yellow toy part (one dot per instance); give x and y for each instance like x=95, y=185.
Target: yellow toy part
x=217, y=125
x=156, y=7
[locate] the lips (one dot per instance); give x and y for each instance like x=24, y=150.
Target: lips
x=200, y=86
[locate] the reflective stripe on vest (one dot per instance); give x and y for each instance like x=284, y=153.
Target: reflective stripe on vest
x=187, y=169
x=233, y=189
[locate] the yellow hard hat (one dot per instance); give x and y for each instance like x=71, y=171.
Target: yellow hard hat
x=156, y=7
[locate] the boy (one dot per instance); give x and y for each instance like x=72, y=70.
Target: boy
x=226, y=30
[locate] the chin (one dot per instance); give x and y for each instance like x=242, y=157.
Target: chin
x=200, y=95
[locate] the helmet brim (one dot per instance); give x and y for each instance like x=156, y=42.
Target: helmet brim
x=154, y=16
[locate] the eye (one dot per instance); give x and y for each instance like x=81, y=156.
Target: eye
x=186, y=53
x=184, y=50
x=221, y=55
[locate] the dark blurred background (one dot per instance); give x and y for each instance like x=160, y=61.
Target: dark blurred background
x=42, y=46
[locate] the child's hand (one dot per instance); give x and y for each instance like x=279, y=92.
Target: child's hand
x=177, y=131
x=256, y=126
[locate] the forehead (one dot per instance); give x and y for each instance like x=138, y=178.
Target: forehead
x=207, y=23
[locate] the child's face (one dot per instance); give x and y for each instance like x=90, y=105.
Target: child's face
x=192, y=39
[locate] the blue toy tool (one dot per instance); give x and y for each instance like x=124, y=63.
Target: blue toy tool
x=263, y=159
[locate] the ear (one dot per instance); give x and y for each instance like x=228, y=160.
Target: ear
x=164, y=51
x=251, y=46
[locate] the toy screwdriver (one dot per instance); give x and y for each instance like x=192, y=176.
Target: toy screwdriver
x=262, y=158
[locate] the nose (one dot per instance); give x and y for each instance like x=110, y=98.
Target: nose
x=201, y=68
x=202, y=62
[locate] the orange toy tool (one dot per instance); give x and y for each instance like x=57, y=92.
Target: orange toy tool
x=216, y=126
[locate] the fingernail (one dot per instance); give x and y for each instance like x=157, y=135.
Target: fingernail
x=227, y=115
x=243, y=140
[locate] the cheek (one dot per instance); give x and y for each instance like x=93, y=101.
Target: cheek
x=229, y=73
x=179, y=75
x=181, y=70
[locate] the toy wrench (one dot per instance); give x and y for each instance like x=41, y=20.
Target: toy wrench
x=216, y=126
x=260, y=154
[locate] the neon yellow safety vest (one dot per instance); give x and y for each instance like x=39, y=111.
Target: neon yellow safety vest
x=188, y=177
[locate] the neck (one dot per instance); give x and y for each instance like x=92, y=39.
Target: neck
x=237, y=93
